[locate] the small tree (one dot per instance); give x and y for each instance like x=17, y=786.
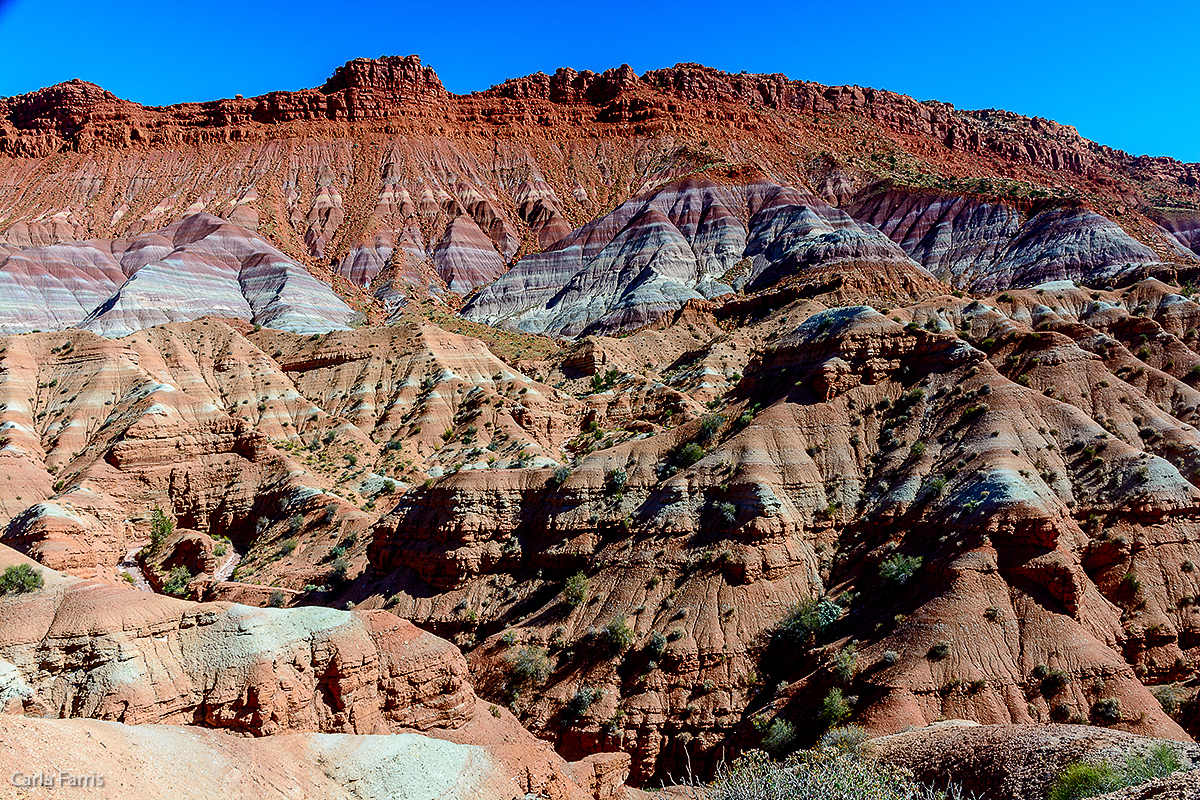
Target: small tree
x=161, y=528
x=575, y=590
x=20, y=579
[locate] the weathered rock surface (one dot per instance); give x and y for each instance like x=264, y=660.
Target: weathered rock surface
x=683, y=242
x=987, y=245
x=145, y=762
x=196, y=267
x=382, y=166
x=82, y=649
x=1020, y=762
x=1027, y=450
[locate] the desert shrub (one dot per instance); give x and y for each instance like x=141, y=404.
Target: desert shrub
x=822, y=774
x=846, y=737
x=575, y=590
x=656, y=643
x=1108, y=709
x=277, y=599
x=727, y=512
x=805, y=620
x=287, y=547
x=845, y=663
x=889, y=657
x=579, y=704
x=685, y=456
x=835, y=708
x=939, y=651
x=617, y=635
x=899, y=568
x=710, y=426
x=1159, y=762
x=338, y=570
x=1054, y=683
x=21, y=579
x=559, y=476
x=529, y=665
x=616, y=480
x=1082, y=779
x=177, y=581
x=779, y=737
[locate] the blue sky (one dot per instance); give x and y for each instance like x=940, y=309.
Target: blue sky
x=1124, y=74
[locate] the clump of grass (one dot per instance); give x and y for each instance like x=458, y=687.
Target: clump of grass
x=1084, y=779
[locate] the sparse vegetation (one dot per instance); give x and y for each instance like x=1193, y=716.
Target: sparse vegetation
x=21, y=579
x=899, y=568
x=575, y=590
x=835, y=708
x=177, y=582
x=833, y=772
x=529, y=665
x=617, y=635
x=1088, y=779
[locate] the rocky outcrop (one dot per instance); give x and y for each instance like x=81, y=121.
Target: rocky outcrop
x=91, y=757
x=685, y=242
x=1011, y=453
x=988, y=244
x=1017, y=762
x=77, y=648
x=196, y=267
x=382, y=161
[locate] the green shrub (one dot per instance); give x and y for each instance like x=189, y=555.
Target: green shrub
x=559, y=476
x=1081, y=780
x=575, y=590
x=1054, y=683
x=899, y=568
x=779, y=737
x=940, y=651
x=727, y=512
x=277, y=599
x=835, y=708
x=177, y=581
x=287, y=547
x=710, y=426
x=848, y=738
x=845, y=662
x=529, y=665
x=656, y=643
x=1108, y=709
x=21, y=579
x=686, y=455
x=805, y=620
x=578, y=705
x=617, y=635
x=339, y=570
